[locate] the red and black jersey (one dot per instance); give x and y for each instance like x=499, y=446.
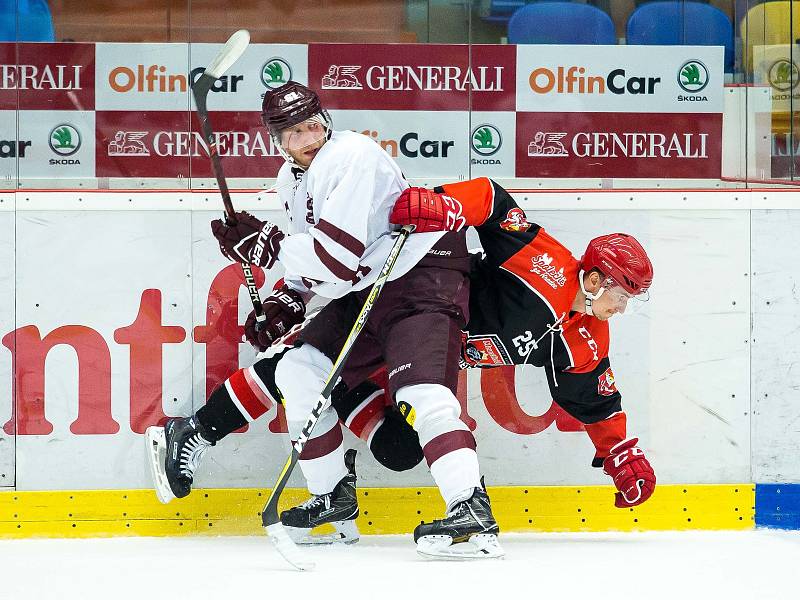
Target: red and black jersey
x=521, y=299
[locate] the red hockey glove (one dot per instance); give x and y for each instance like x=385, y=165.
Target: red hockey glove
x=631, y=472
x=428, y=211
x=283, y=309
x=250, y=240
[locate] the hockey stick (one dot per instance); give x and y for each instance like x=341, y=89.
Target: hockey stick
x=269, y=515
x=230, y=53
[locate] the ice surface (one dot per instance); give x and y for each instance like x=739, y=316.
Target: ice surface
x=756, y=565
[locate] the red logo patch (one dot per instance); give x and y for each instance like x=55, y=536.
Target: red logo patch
x=606, y=383
x=515, y=221
x=486, y=351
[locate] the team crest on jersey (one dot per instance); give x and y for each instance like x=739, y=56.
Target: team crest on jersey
x=486, y=351
x=515, y=221
x=606, y=384
x=543, y=266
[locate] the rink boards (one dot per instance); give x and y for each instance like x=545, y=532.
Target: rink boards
x=383, y=510
x=122, y=312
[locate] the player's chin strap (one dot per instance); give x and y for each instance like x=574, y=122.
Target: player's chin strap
x=589, y=296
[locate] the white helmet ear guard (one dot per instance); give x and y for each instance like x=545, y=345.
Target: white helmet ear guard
x=589, y=296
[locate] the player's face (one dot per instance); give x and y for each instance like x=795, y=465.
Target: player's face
x=613, y=300
x=303, y=141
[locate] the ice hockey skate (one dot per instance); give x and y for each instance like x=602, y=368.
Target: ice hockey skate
x=174, y=452
x=469, y=531
x=339, y=508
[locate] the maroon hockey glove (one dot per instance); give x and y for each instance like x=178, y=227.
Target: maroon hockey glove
x=250, y=240
x=428, y=211
x=284, y=309
x=631, y=472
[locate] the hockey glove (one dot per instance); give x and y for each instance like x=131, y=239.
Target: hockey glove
x=428, y=211
x=632, y=474
x=283, y=309
x=250, y=240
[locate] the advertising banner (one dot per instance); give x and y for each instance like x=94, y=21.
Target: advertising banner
x=432, y=144
x=153, y=76
x=625, y=79
x=160, y=76
x=777, y=66
x=114, y=338
x=619, y=145
x=428, y=77
x=169, y=144
x=443, y=111
x=493, y=137
x=51, y=144
x=47, y=76
x=784, y=152
x=7, y=320
x=499, y=97
x=62, y=144
x=148, y=320
x=261, y=67
x=13, y=148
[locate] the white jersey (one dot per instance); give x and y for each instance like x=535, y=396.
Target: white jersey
x=338, y=237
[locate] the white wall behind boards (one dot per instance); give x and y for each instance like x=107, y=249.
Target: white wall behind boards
x=139, y=313
x=7, y=289
x=776, y=347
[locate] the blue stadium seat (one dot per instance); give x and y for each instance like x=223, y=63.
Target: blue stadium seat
x=680, y=23
x=560, y=23
x=498, y=11
x=31, y=16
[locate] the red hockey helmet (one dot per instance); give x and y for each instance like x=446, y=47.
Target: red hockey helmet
x=620, y=257
x=288, y=105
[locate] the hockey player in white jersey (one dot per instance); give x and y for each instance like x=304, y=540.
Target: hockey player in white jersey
x=338, y=188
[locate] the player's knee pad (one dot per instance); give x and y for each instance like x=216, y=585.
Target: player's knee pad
x=395, y=444
x=300, y=375
x=430, y=409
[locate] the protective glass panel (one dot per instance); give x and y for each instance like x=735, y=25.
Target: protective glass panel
x=130, y=111
x=770, y=61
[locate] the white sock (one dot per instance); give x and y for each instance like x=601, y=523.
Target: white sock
x=323, y=473
x=457, y=474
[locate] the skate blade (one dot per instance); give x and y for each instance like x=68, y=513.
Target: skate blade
x=156, y=448
x=346, y=532
x=287, y=549
x=478, y=546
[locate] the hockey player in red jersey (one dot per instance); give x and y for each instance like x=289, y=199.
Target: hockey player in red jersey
x=573, y=349
x=532, y=302
x=338, y=188
x=533, y=295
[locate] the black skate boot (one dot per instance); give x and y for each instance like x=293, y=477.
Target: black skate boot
x=339, y=508
x=174, y=452
x=468, y=531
